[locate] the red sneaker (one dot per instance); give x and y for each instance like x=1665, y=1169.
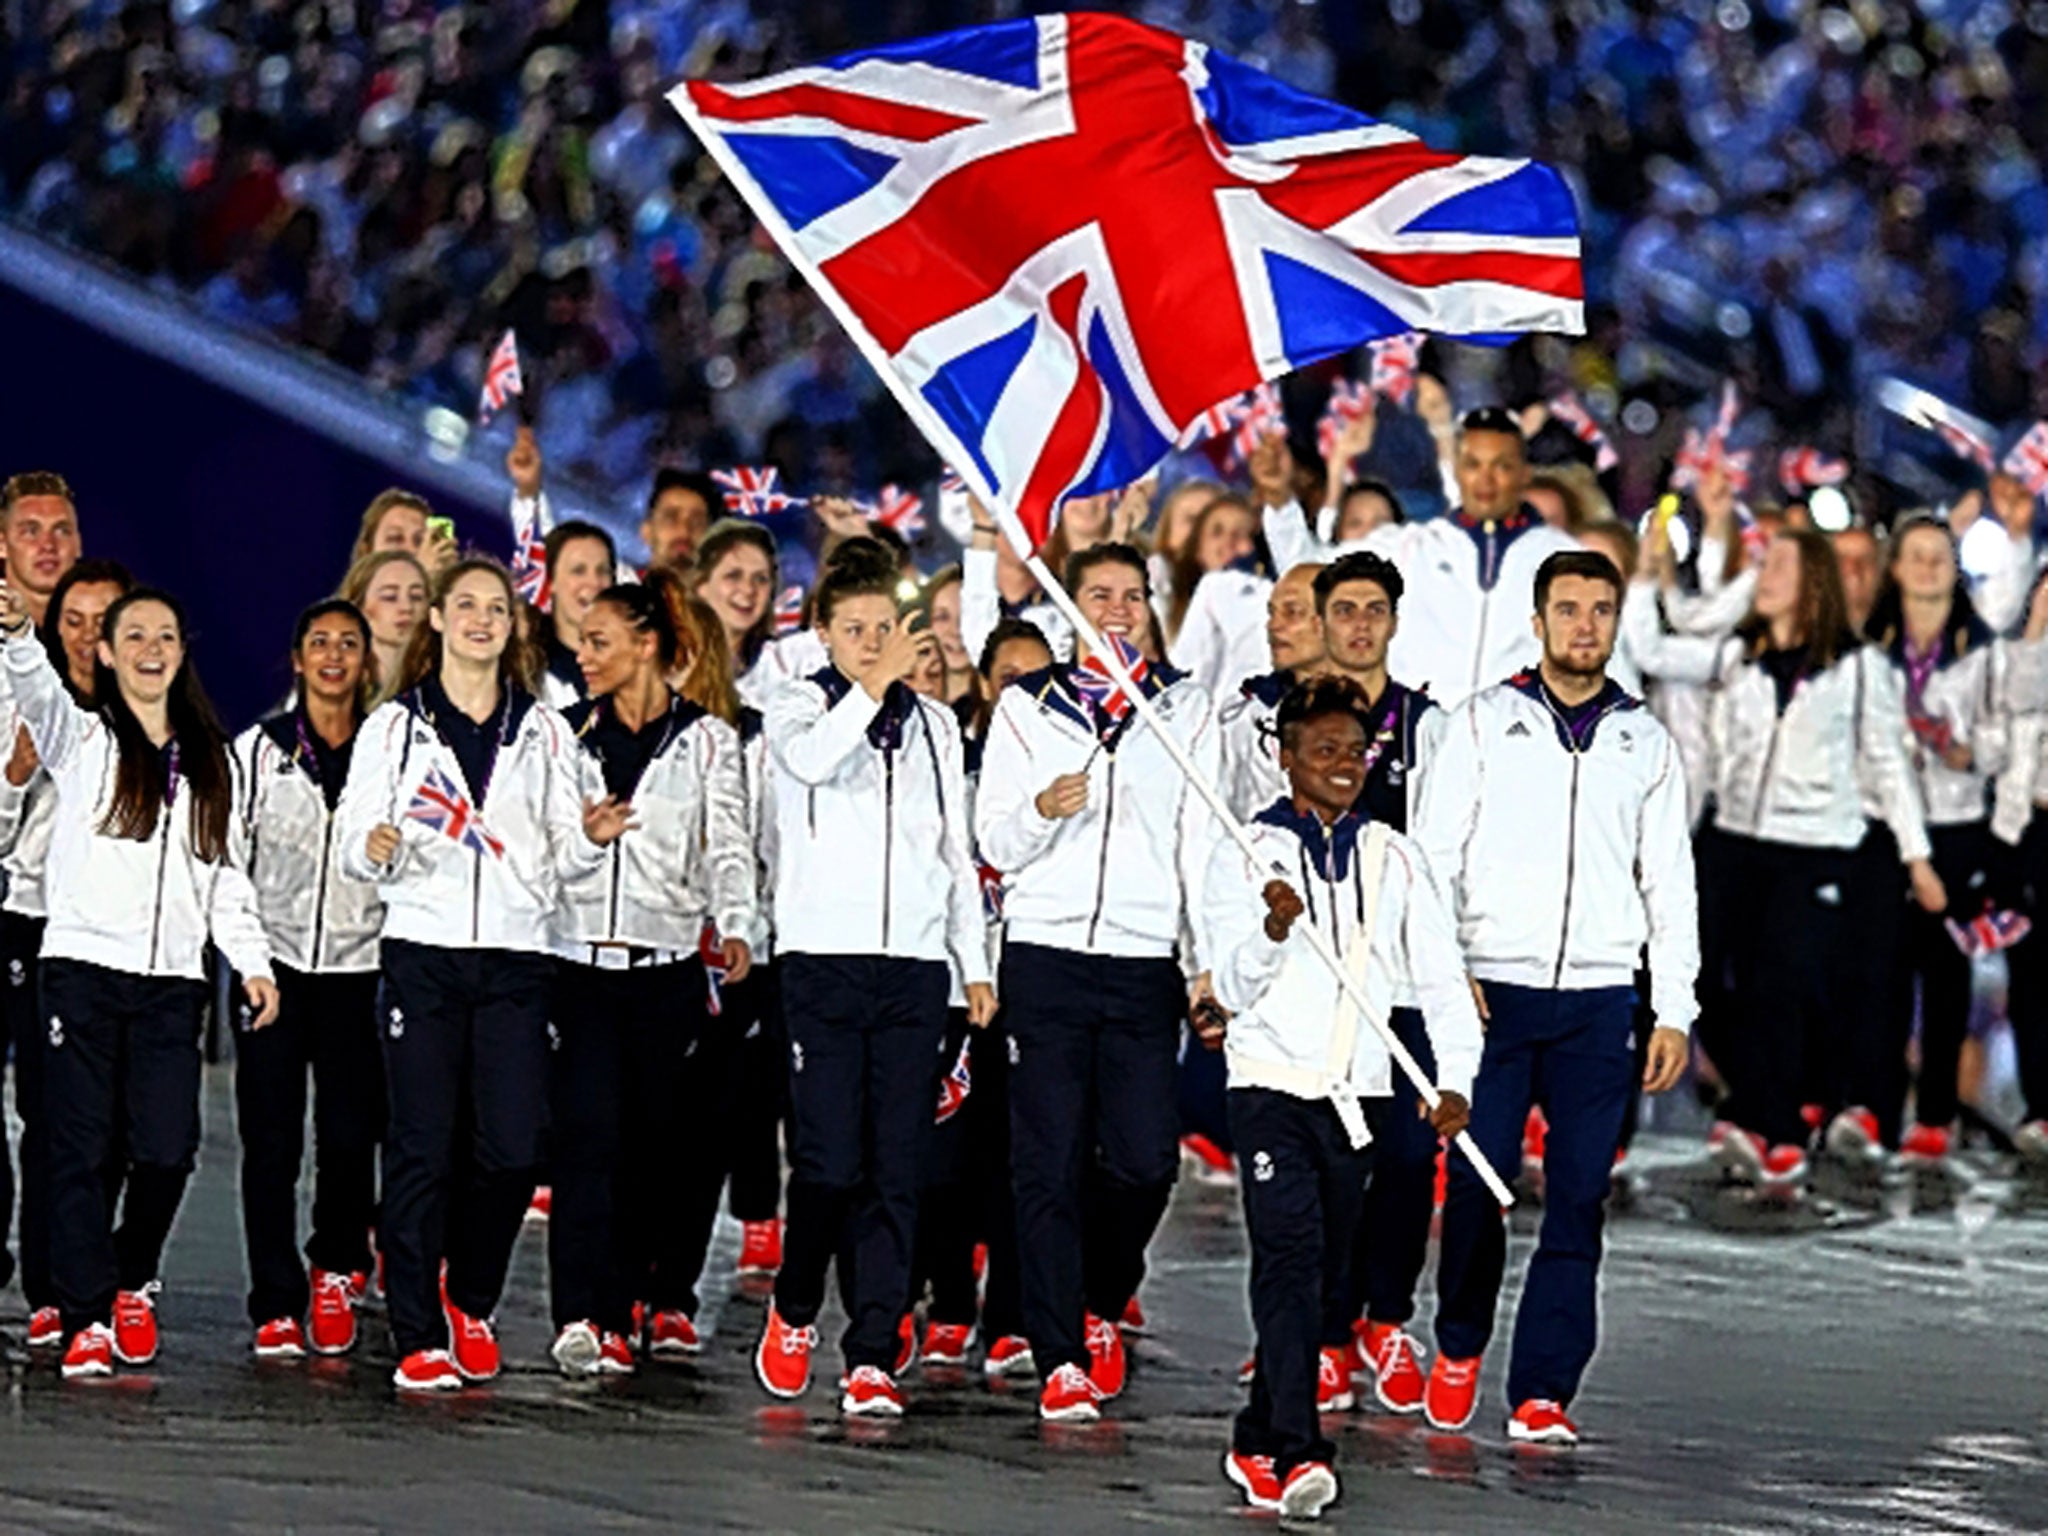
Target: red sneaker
x=576, y=1349
x=1925, y=1143
x=1211, y=1164
x=615, y=1355
x=45, y=1328
x=671, y=1336
x=1310, y=1489
x=782, y=1360
x=980, y=1260
x=91, y=1352
x=1542, y=1422
x=1853, y=1134
x=1452, y=1392
x=542, y=1204
x=761, y=1247
x=1333, y=1383
x=1010, y=1356
x=1253, y=1474
x=906, y=1344
x=947, y=1343
x=473, y=1342
x=334, y=1312
x=427, y=1370
x=1133, y=1320
x=871, y=1393
x=135, y=1340
x=1106, y=1364
x=1535, y=1137
x=281, y=1339
x=1812, y=1115
x=1784, y=1165
x=1069, y=1397
x=1396, y=1366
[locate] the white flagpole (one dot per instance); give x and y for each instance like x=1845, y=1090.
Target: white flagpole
x=955, y=453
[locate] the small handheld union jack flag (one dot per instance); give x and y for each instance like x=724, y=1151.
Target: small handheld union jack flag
x=1802, y=469
x=1349, y=401
x=502, y=379
x=754, y=492
x=897, y=508
x=991, y=891
x=1701, y=452
x=1395, y=360
x=530, y=555
x=2027, y=460
x=712, y=953
x=1571, y=410
x=1259, y=416
x=955, y=1086
x=1989, y=931
x=439, y=803
x=1965, y=444
x=789, y=611
x=1094, y=682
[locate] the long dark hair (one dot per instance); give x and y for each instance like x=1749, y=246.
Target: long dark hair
x=202, y=745
x=1888, y=614
x=326, y=608
x=110, y=573
x=519, y=666
x=1823, y=610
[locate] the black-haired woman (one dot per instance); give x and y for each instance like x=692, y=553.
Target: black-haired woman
x=629, y=1002
x=466, y=805
x=28, y=804
x=322, y=925
x=138, y=881
x=874, y=893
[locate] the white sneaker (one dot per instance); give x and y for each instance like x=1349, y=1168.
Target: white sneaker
x=1309, y=1490
x=2031, y=1141
x=577, y=1350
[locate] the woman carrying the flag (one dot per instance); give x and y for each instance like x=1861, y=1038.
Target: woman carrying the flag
x=466, y=805
x=874, y=893
x=138, y=882
x=629, y=1006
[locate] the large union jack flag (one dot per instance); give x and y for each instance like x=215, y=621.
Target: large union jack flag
x=1062, y=238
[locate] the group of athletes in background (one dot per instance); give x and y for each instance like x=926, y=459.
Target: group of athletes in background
x=618, y=896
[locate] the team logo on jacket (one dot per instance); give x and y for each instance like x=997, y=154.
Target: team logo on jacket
x=796, y=1055
x=554, y=1037
x=1013, y=1050
x=1262, y=1167
x=56, y=1031
x=1518, y=729
x=17, y=974
x=1829, y=895
x=395, y=1024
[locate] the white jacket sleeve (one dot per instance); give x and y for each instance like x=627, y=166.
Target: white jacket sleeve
x=1429, y=948
x=370, y=797
x=247, y=752
x=1660, y=653
x=1664, y=874
x=13, y=797
x=1883, y=753
x=2013, y=794
x=1007, y=826
x=966, y=927
x=728, y=846
x=981, y=605
x=1447, y=809
x=1200, y=830
x=1713, y=611
x=1198, y=648
x=231, y=916
x=810, y=740
x=1289, y=540
x=1243, y=961
x=55, y=724
x=1990, y=728
x=572, y=777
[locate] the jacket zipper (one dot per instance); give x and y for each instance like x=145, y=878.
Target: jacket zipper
x=320, y=889
x=476, y=898
x=163, y=857
x=611, y=928
x=888, y=836
x=1571, y=836
x=1488, y=575
x=1102, y=858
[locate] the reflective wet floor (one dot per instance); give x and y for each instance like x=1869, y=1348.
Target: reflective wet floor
x=1872, y=1361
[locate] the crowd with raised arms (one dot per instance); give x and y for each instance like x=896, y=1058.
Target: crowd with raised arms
x=923, y=895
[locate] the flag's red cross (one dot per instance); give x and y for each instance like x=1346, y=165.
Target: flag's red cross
x=1163, y=234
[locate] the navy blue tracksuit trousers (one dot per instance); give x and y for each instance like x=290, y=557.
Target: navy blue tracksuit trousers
x=1400, y=1199
x=865, y=1038
x=1573, y=1053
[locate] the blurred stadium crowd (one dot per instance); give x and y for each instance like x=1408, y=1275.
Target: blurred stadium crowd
x=1790, y=193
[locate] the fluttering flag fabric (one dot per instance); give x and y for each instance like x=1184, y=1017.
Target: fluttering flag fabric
x=2027, y=460
x=1702, y=451
x=752, y=491
x=1571, y=410
x=1063, y=238
x=1349, y=401
x=530, y=554
x=1395, y=362
x=896, y=508
x=1098, y=685
x=441, y=804
x=502, y=379
x=1803, y=469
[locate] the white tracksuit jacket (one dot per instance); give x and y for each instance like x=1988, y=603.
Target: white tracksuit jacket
x=441, y=892
x=1290, y=1013
x=142, y=906
x=1123, y=876
x=1561, y=862
x=872, y=838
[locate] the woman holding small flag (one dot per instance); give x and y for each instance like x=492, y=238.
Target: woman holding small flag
x=630, y=1003
x=1103, y=846
x=874, y=894
x=466, y=804
x=138, y=882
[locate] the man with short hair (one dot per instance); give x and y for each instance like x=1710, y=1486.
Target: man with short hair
x=1251, y=752
x=1553, y=817
x=39, y=535
x=1104, y=845
x=679, y=512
